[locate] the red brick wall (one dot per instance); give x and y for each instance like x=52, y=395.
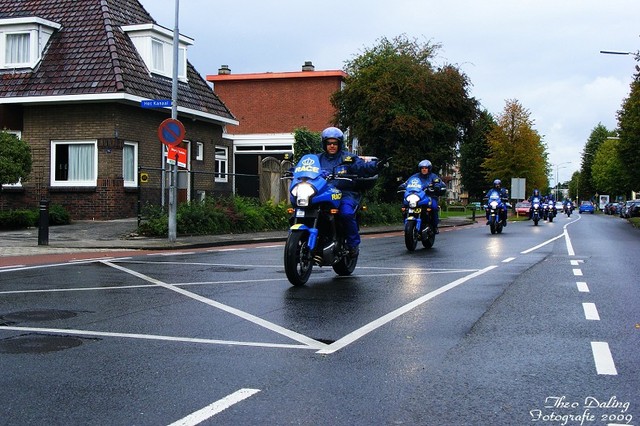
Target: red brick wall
x=279, y=105
x=111, y=124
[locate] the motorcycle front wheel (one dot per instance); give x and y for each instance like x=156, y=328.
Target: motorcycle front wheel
x=410, y=235
x=298, y=262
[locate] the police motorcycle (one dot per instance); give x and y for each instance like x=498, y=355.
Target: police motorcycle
x=316, y=235
x=536, y=210
x=568, y=208
x=496, y=208
x=417, y=210
x=550, y=210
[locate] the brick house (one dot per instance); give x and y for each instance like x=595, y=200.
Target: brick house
x=269, y=107
x=73, y=75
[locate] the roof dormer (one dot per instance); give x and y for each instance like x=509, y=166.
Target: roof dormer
x=155, y=45
x=22, y=41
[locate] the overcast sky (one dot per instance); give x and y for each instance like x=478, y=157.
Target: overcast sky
x=544, y=53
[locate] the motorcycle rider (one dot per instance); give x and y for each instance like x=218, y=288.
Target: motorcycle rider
x=536, y=194
x=504, y=196
x=434, y=187
x=337, y=160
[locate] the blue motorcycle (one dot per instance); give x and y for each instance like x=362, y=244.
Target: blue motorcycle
x=497, y=212
x=536, y=210
x=417, y=210
x=316, y=235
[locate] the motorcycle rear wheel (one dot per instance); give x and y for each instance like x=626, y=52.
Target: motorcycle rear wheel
x=346, y=265
x=410, y=235
x=298, y=262
x=428, y=238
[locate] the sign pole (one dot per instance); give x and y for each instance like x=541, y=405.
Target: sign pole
x=173, y=191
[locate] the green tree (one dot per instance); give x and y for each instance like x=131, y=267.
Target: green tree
x=15, y=159
x=598, y=135
x=607, y=173
x=516, y=150
x=629, y=132
x=473, y=150
x=397, y=104
x=305, y=142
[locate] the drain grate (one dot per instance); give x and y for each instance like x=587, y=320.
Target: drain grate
x=38, y=344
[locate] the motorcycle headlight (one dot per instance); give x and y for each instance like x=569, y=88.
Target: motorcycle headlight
x=536, y=206
x=413, y=200
x=494, y=205
x=303, y=192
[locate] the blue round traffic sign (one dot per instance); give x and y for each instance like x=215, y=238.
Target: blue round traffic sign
x=171, y=132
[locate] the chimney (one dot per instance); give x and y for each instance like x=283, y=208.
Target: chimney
x=224, y=70
x=308, y=66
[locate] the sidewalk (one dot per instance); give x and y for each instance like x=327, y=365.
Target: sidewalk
x=121, y=235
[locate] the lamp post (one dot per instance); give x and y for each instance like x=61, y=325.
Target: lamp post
x=557, y=170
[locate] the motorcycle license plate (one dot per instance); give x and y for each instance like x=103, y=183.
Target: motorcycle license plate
x=299, y=213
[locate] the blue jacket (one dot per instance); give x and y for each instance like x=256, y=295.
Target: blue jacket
x=426, y=180
x=356, y=166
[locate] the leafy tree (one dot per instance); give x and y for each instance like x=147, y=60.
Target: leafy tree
x=629, y=131
x=15, y=159
x=574, y=186
x=397, y=104
x=516, y=150
x=607, y=173
x=473, y=150
x=305, y=142
x=598, y=135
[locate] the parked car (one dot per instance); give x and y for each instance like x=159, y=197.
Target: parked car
x=522, y=208
x=610, y=208
x=634, y=210
x=586, y=207
x=630, y=209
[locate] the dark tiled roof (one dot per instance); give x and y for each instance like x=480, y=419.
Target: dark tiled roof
x=91, y=54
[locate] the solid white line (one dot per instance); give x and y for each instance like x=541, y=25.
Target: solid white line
x=362, y=331
x=153, y=337
x=11, y=266
x=215, y=408
x=577, y=272
x=582, y=287
x=508, y=259
x=603, y=359
x=542, y=244
x=568, y=242
x=92, y=259
x=237, y=312
x=590, y=311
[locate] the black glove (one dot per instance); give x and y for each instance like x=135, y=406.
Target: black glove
x=383, y=164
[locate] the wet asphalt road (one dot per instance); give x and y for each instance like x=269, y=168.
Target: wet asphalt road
x=533, y=326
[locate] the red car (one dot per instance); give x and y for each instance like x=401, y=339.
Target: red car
x=522, y=208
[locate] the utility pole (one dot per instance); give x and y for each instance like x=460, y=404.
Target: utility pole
x=173, y=190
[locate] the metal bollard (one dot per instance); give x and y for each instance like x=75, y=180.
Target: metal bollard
x=43, y=224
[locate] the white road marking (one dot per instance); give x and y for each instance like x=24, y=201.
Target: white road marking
x=92, y=333
x=237, y=312
x=215, y=408
x=603, y=359
x=508, y=259
x=362, y=331
x=582, y=287
x=576, y=262
x=568, y=242
x=590, y=311
x=577, y=272
x=542, y=244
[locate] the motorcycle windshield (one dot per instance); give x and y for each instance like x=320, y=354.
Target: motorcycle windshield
x=494, y=196
x=413, y=186
x=308, y=167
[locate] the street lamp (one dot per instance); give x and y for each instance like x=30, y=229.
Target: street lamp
x=557, y=169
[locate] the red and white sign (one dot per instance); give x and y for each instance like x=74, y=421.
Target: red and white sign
x=176, y=153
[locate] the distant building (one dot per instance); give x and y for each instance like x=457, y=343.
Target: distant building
x=72, y=78
x=269, y=107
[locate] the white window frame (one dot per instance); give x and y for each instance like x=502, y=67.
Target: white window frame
x=222, y=158
x=85, y=183
x=146, y=36
x=39, y=31
x=199, y=151
x=130, y=183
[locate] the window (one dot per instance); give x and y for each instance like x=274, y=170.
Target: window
x=74, y=163
x=130, y=164
x=199, y=151
x=22, y=40
x=17, y=49
x=155, y=45
x=222, y=160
